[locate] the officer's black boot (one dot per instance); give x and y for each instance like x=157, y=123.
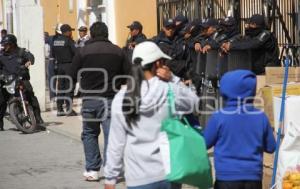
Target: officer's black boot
x=60, y=109
x=1, y=125
x=39, y=120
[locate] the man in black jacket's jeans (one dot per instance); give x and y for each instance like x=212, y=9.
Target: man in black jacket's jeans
x=99, y=66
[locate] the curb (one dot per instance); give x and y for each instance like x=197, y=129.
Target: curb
x=64, y=133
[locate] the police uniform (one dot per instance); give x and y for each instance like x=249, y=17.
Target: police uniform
x=264, y=50
x=10, y=63
x=262, y=43
x=63, y=51
x=132, y=41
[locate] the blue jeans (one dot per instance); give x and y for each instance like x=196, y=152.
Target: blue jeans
x=158, y=185
x=94, y=113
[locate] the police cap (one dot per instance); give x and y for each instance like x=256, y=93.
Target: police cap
x=9, y=39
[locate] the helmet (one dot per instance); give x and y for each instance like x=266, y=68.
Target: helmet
x=149, y=52
x=9, y=39
x=57, y=28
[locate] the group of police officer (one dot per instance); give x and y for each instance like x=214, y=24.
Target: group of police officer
x=186, y=42
x=203, y=50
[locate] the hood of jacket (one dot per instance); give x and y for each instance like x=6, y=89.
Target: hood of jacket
x=153, y=95
x=238, y=85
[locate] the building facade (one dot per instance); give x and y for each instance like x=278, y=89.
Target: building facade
x=29, y=19
x=117, y=14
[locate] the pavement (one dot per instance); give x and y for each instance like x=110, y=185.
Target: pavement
x=43, y=160
x=54, y=159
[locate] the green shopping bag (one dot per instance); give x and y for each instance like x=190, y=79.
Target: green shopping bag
x=184, y=151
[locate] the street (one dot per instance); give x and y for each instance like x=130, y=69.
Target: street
x=43, y=160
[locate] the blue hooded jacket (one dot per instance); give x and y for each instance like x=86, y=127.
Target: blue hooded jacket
x=239, y=132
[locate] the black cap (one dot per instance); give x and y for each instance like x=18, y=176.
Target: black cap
x=83, y=29
x=65, y=28
x=169, y=23
x=257, y=19
x=181, y=18
x=135, y=25
x=209, y=22
x=228, y=21
x=9, y=39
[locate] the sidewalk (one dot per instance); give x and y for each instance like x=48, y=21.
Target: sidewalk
x=72, y=126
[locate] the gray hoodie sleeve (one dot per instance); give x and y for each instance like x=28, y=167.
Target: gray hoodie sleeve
x=116, y=141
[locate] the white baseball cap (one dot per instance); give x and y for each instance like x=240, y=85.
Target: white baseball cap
x=149, y=52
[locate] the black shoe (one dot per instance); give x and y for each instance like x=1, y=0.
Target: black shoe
x=72, y=113
x=60, y=113
x=41, y=128
x=1, y=125
x=39, y=120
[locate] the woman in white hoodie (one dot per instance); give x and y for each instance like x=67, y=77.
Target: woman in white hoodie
x=137, y=113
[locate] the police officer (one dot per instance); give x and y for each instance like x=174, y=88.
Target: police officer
x=83, y=37
x=227, y=31
x=63, y=51
x=12, y=58
x=191, y=31
x=209, y=33
x=166, y=41
x=135, y=37
x=262, y=43
x=180, y=23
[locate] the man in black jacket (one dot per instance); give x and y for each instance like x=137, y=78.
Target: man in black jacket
x=63, y=51
x=12, y=58
x=261, y=42
x=100, y=66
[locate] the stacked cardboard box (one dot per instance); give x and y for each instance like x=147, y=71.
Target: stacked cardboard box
x=273, y=87
x=271, y=91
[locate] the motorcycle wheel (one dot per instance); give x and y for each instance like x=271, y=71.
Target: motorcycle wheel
x=25, y=124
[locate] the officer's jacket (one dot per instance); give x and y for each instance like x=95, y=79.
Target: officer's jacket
x=219, y=38
x=264, y=50
x=10, y=63
x=136, y=40
x=63, y=49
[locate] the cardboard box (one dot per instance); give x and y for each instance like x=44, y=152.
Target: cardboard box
x=269, y=92
x=275, y=75
x=261, y=82
x=298, y=74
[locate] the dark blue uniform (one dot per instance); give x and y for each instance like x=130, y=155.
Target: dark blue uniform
x=10, y=63
x=63, y=51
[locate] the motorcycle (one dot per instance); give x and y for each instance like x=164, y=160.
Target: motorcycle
x=20, y=111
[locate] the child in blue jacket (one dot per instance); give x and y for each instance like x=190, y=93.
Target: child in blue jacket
x=239, y=133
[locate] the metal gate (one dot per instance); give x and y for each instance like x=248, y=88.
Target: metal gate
x=282, y=16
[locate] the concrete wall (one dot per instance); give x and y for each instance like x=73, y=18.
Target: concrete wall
x=31, y=36
x=127, y=11
x=1, y=15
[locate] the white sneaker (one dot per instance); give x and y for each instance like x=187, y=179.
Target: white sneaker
x=91, y=175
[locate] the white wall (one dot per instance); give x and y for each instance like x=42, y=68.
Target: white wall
x=81, y=12
x=30, y=33
x=111, y=19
